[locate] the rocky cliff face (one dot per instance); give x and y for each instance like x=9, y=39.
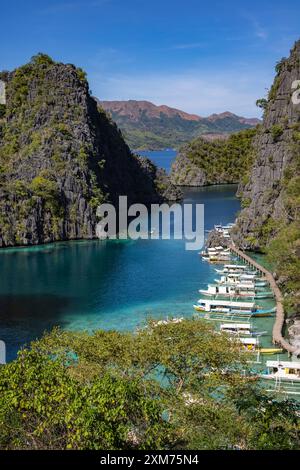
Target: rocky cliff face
x=186, y=173
x=265, y=195
x=60, y=156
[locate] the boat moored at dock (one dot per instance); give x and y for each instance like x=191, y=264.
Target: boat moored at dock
x=252, y=345
x=240, y=329
x=236, y=328
x=282, y=371
x=228, y=307
x=216, y=258
x=223, y=290
x=235, y=279
x=224, y=229
x=249, y=344
x=237, y=269
x=238, y=290
x=217, y=254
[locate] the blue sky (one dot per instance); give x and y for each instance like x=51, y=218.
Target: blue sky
x=202, y=57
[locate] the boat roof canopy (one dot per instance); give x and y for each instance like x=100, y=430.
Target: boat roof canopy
x=227, y=303
x=248, y=340
x=235, y=266
x=235, y=325
x=285, y=364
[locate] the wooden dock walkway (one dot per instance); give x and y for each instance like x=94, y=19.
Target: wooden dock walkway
x=279, y=319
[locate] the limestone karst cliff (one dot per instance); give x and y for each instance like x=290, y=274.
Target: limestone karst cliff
x=60, y=156
x=267, y=194
x=270, y=219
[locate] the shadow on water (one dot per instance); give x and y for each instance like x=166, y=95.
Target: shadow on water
x=30, y=316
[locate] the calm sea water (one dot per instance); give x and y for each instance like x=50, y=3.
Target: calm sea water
x=161, y=158
x=87, y=285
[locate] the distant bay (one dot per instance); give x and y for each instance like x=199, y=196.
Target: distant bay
x=161, y=158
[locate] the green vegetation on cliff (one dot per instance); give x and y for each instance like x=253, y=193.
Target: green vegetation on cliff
x=61, y=156
x=205, y=162
x=38, y=138
x=270, y=221
x=175, y=386
x=284, y=248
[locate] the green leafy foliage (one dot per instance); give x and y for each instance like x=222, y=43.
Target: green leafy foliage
x=168, y=386
x=262, y=103
x=280, y=65
x=19, y=188
x=43, y=407
x=81, y=74
x=2, y=110
x=245, y=202
x=284, y=249
x=44, y=187
x=274, y=89
x=42, y=59
x=225, y=161
x=276, y=131
x=283, y=253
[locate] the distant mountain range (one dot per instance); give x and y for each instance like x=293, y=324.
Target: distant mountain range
x=147, y=126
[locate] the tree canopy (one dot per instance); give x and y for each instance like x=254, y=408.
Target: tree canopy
x=168, y=386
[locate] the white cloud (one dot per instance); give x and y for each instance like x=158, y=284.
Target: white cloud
x=258, y=30
x=194, y=92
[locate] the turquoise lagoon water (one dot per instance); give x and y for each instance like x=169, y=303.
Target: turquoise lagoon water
x=87, y=285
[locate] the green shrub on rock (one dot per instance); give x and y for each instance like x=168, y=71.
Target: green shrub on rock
x=276, y=131
x=44, y=188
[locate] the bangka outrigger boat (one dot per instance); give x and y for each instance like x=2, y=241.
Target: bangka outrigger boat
x=240, y=329
x=216, y=249
x=238, y=291
x=252, y=345
x=234, y=279
x=282, y=371
x=220, y=227
x=237, y=269
x=224, y=229
x=249, y=344
x=216, y=258
x=216, y=254
x=228, y=307
x=229, y=290
x=283, y=377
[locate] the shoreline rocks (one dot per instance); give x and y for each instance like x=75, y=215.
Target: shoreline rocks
x=216, y=239
x=294, y=332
